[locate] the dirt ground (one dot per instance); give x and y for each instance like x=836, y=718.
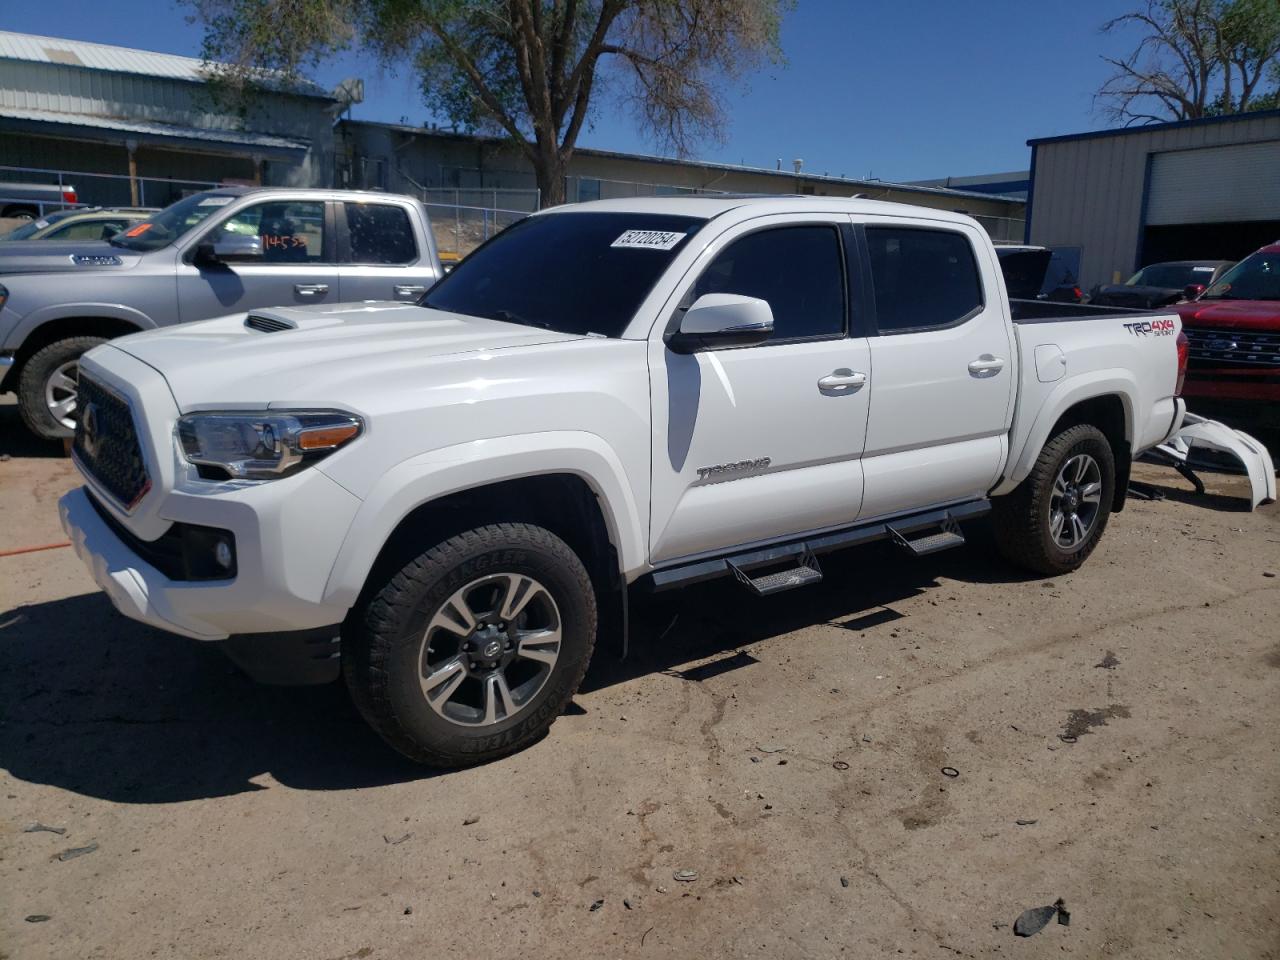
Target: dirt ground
x=789, y=751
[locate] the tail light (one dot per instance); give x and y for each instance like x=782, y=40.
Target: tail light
x=1079, y=294
x=1184, y=351
x=69, y=195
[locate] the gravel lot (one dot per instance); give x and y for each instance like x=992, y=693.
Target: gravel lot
x=788, y=751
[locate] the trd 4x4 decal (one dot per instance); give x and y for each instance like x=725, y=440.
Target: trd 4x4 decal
x=1151, y=328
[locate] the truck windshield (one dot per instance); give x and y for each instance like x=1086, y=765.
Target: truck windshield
x=1256, y=277
x=171, y=222
x=571, y=272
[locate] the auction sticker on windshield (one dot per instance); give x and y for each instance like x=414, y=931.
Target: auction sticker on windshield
x=215, y=201
x=648, y=239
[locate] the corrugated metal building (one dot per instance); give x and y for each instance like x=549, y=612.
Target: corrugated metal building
x=434, y=163
x=70, y=105
x=1199, y=189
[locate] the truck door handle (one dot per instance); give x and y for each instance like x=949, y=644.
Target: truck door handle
x=409, y=289
x=311, y=289
x=841, y=378
x=986, y=366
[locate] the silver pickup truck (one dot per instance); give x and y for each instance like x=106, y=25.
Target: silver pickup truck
x=223, y=251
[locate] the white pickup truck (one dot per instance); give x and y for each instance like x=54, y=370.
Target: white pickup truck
x=448, y=501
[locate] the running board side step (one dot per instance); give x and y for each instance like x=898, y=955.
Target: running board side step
x=802, y=552
x=802, y=569
x=945, y=538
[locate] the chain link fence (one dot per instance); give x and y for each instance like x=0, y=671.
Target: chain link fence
x=96, y=189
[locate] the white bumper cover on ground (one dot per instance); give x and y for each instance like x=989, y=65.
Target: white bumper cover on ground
x=1211, y=435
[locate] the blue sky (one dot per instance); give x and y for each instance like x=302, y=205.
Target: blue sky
x=904, y=90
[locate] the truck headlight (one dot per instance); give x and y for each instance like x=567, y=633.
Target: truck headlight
x=263, y=445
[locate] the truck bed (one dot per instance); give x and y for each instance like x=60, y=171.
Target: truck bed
x=1047, y=311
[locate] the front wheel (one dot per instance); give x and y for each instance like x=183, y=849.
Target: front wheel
x=471, y=650
x=48, y=386
x=1054, y=519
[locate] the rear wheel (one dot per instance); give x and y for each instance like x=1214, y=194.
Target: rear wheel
x=1054, y=519
x=471, y=650
x=48, y=390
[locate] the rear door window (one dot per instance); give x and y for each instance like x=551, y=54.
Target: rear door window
x=923, y=278
x=380, y=234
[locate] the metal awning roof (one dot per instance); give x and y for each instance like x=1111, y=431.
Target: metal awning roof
x=81, y=124
x=100, y=56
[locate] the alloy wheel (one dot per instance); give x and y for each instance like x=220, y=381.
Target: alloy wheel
x=61, y=392
x=1076, y=501
x=489, y=649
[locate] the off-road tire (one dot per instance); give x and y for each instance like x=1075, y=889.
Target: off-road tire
x=1021, y=518
x=382, y=640
x=33, y=376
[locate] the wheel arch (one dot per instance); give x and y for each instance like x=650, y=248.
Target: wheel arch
x=38, y=331
x=573, y=486
x=1105, y=400
x=1108, y=413
x=562, y=503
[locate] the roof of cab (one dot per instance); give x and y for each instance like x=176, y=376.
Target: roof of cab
x=707, y=207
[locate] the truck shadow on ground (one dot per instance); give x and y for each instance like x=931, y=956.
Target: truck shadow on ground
x=96, y=704
x=17, y=441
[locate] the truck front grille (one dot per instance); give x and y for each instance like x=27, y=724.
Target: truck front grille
x=106, y=443
x=1222, y=348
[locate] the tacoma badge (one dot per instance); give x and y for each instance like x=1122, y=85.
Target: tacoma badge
x=740, y=466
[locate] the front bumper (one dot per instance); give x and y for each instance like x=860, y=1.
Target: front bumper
x=287, y=533
x=274, y=591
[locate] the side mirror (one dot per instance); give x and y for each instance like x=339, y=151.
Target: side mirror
x=718, y=320
x=1192, y=291
x=229, y=247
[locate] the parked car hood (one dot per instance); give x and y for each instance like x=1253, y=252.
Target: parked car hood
x=345, y=351
x=64, y=256
x=1122, y=293
x=1231, y=314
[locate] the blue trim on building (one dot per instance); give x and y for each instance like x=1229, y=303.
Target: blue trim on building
x=1003, y=188
x=1031, y=198
x=1142, y=214
x=1150, y=127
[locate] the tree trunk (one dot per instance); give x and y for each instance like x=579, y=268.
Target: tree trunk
x=549, y=167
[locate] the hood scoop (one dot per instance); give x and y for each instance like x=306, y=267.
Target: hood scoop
x=265, y=324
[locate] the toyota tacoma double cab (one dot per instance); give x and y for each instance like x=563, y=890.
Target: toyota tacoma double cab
x=233, y=248
x=447, y=501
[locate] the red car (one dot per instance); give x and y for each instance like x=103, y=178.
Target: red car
x=1234, y=334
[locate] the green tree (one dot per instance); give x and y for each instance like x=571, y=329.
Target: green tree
x=1195, y=58
x=534, y=70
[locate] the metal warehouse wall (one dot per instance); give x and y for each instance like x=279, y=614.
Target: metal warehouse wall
x=397, y=157
x=68, y=89
x=102, y=93
x=1088, y=191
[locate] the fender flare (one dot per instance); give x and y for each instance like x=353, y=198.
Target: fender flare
x=478, y=463
x=1068, y=393
x=71, y=311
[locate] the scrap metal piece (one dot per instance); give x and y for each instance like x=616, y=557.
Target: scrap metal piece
x=1200, y=432
x=1030, y=922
